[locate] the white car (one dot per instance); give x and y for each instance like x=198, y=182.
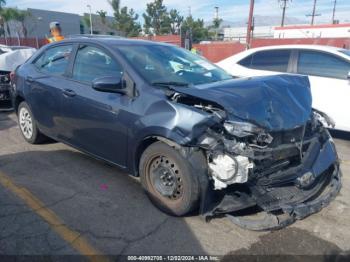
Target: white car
x=328, y=69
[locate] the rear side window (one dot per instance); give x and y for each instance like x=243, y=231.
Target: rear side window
x=322, y=64
x=54, y=61
x=273, y=60
x=92, y=63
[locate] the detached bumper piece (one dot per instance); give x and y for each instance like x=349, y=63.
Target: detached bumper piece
x=277, y=199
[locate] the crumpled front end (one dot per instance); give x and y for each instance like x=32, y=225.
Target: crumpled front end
x=267, y=180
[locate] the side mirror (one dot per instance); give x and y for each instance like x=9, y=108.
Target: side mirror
x=109, y=84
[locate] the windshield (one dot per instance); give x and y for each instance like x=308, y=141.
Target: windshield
x=159, y=64
x=347, y=52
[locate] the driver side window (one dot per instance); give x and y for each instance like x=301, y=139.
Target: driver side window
x=92, y=63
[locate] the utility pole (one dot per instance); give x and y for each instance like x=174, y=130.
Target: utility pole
x=335, y=6
x=284, y=5
x=313, y=13
x=216, y=14
x=250, y=24
x=91, y=32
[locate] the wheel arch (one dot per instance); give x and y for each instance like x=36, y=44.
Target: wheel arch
x=17, y=101
x=144, y=144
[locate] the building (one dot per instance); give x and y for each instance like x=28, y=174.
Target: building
x=240, y=33
x=37, y=23
x=316, y=31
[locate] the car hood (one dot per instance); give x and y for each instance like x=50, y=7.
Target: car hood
x=275, y=103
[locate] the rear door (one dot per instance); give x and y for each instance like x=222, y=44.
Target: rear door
x=329, y=84
x=96, y=121
x=45, y=81
x=269, y=62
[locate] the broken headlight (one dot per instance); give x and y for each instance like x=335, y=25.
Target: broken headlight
x=245, y=129
x=241, y=129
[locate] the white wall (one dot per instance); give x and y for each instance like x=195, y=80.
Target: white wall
x=313, y=32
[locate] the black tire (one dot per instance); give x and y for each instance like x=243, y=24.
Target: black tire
x=35, y=137
x=185, y=196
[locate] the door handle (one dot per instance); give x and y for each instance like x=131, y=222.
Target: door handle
x=69, y=92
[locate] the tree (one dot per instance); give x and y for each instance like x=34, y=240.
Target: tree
x=2, y=20
x=20, y=16
x=196, y=29
x=175, y=21
x=157, y=20
x=2, y=4
x=125, y=19
x=102, y=15
x=7, y=15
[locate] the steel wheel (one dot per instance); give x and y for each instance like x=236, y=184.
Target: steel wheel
x=166, y=177
x=26, y=123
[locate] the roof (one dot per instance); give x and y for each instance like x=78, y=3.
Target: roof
x=241, y=55
x=110, y=40
x=311, y=47
x=312, y=26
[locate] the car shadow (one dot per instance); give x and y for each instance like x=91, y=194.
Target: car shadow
x=104, y=204
x=6, y=121
x=290, y=244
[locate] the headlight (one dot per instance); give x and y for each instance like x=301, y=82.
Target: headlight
x=242, y=129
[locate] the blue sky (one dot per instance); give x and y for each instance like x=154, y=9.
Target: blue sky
x=231, y=10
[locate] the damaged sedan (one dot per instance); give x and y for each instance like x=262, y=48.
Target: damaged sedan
x=251, y=149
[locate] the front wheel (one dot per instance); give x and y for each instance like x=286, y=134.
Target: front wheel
x=28, y=125
x=169, y=179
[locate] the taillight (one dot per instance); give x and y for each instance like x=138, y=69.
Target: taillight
x=12, y=76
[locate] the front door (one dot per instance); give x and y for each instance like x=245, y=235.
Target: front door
x=96, y=121
x=45, y=79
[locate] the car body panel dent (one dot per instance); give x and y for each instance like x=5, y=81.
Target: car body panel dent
x=276, y=103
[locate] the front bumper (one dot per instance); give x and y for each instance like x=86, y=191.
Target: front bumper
x=280, y=198
x=289, y=213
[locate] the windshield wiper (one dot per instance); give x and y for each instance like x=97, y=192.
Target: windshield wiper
x=170, y=83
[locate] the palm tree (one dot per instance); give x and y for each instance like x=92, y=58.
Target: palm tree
x=2, y=3
x=20, y=16
x=102, y=15
x=7, y=15
x=2, y=20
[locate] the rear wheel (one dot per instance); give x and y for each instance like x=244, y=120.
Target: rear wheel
x=28, y=125
x=169, y=180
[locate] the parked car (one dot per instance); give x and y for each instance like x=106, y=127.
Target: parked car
x=10, y=58
x=328, y=69
x=196, y=137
